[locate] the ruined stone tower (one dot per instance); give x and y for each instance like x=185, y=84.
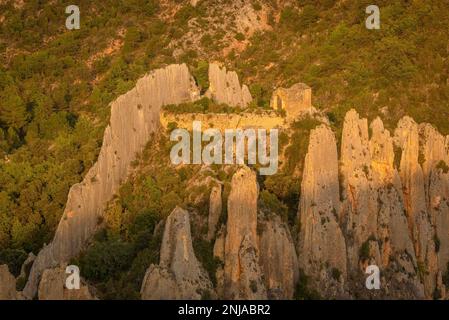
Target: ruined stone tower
x=295, y=100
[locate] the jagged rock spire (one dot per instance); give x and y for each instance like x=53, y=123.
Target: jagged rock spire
x=179, y=274
x=242, y=274
x=321, y=241
x=224, y=87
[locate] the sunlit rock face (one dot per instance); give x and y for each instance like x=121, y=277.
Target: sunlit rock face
x=413, y=186
x=215, y=208
x=384, y=200
x=134, y=117
x=7, y=284
x=392, y=244
x=435, y=151
x=224, y=87
x=322, y=248
x=179, y=274
x=242, y=273
x=53, y=287
x=360, y=195
x=389, y=199
x=374, y=219
x=278, y=258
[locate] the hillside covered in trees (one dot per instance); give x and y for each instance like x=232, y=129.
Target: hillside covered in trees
x=56, y=86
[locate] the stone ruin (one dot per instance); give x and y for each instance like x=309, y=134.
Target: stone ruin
x=295, y=100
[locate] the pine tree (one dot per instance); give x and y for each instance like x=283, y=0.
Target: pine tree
x=13, y=111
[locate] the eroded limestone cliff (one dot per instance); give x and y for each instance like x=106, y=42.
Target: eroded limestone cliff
x=383, y=200
x=215, y=209
x=278, y=258
x=242, y=274
x=392, y=195
x=134, y=117
x=7, y=284
x=225, y=87
x=256, y=247
x=179, y=274
x=52, y=287
x=321, y=241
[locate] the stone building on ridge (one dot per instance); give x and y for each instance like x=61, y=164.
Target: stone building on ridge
x=295, y=100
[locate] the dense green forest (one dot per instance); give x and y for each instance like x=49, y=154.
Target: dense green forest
x=54, y=103
x=56, y=85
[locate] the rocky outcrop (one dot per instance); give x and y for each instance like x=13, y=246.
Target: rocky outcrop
x=386, y=202
x=219, y=253
x=248, y=20
x=435, y=150
x=224, y=87
x=278, y=258
x=419, y=220
x=357, y=186
x=242, y=274
x=250, y=285
x=134, y=117
x=392, y=223
x=52, y=287
x=255, y=247
x=215, y=207
x=7, y=284
x=159, y=284
x=394, y=246
x=434, y=153
x=179, y=274
x=27, y=265
x=322, y=248
x=394, y=210
x=373, y=215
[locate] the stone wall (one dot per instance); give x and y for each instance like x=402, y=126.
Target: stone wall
x=223, y=121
